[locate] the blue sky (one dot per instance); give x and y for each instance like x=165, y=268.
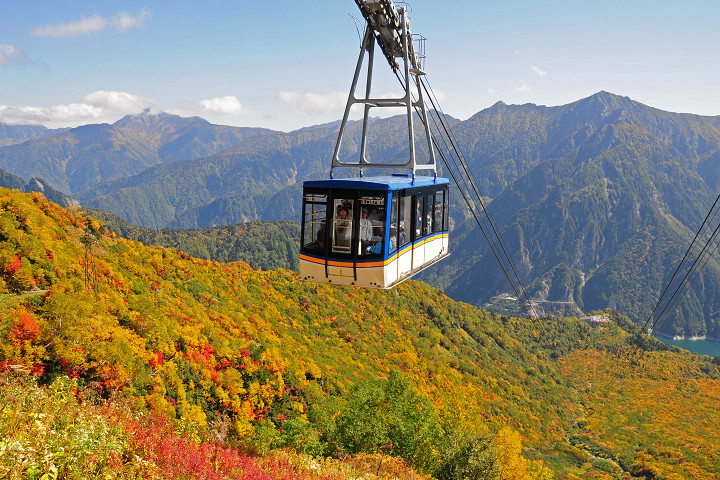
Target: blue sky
x=288, y=64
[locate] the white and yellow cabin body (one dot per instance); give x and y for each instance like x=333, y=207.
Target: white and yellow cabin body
x=372, y=232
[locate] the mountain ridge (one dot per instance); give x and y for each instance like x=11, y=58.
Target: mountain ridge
x=624, y=176
x=75, y=159
x=579, y=189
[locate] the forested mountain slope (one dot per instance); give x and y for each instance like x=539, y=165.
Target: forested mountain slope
x=285, y=363
x=8, y=180
x=79, y=158
x=260, y=179
x=262, y=245
x=605, y=216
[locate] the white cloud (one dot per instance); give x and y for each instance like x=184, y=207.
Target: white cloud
x=71, y=29
x=523, y=87
x=113, y=101
x=10, y=54
x=539, y=71
x=321, y=103
x=86, y=25
x=97, y=107
x=124, y=21
x=228, y=105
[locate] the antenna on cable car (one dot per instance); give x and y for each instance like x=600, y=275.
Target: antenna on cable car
x=389, y=27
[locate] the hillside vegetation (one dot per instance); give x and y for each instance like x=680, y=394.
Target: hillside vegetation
x=262, y=245
x=262, y=361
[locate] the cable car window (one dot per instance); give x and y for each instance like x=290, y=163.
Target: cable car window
x=393, y=225
x=405, y=216
x=438, y=211
x=427, y=214
x=372, y=222
x=315, y=235
x=418, y=217
x=446, y=211
x=342, y=225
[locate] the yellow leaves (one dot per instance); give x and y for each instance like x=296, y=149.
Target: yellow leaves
x=254, y=389
x=51, y=474
x=243, y=427
x=246, y=411
x=222, y=395
x=312, y=370
x=157, y=402
x=193, y=414
x=509, y=447
x=267, y=393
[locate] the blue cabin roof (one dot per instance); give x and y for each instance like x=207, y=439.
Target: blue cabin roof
x=386, y=182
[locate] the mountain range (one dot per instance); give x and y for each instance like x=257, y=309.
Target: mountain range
x=79, y=158
x=597, y=209
x=596, y=200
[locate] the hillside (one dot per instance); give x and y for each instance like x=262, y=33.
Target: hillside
x=284, y=363
x=262, y=245
x=8, y=180
x=14, y=134
x=82, y=157
x=260, y=179
x=599, y=211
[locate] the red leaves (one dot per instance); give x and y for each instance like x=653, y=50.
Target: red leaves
x=207, y=351
x=25, y=329
x=14, y=266
x=72, y=371
x=158, y=360
x=178, y=457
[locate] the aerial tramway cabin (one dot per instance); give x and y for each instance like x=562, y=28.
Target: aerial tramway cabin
x=372, y=232
x=378, y=231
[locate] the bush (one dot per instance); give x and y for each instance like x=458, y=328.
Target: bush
x=468, y=456
x=389, y=417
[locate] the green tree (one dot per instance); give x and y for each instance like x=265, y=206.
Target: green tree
x=390, y=417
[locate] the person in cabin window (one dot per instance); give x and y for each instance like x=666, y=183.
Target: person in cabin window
x=343, y=228
x=378, y=247
x=418, y=218
x=321, y=235
x=366, y=228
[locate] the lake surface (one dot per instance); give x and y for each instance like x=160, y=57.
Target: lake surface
x=703, y=347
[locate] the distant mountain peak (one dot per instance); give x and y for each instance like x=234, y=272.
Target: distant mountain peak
x=609, y=101
x=146, y=118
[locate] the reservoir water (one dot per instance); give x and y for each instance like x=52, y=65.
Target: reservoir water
x=703, y=347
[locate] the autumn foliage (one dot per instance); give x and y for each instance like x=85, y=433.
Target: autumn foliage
x=262, y=362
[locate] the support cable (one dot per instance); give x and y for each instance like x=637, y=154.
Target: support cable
x=487, y=224
x=675, y=298
x=491, y=220
x=685, y=283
